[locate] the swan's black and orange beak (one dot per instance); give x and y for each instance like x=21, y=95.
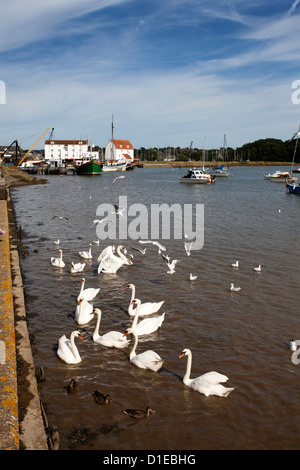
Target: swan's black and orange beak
x=181, y=355
x=125, y=334
x=126, y=287
x=80, y=337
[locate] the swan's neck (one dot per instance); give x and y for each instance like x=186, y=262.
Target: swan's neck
x=132, y=293
x=61, y=256
x=187, y=374
x=132, y=354
x=122, y=256
x=74, y=347
x=137, y=312
x=82, y=289
x=97, y=327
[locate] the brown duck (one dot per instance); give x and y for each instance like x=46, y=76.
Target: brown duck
x=138, y=414
x=100, y=398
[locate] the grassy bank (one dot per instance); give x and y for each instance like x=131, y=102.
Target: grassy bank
x=15, y=177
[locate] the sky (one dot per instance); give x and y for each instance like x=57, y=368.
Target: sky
x=170, y=73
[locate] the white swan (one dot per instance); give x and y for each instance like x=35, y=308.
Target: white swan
x=87, y=294
x=233, y=288
x=148, y=325
x=86, y=254
x=105, y=251
x=83, y=312
x=111, y=263
x=145, y=360
x=67, y=350
x=77, y=267
x=209, y=383
x=112, y=339
x=146, y=308
x=58, y=262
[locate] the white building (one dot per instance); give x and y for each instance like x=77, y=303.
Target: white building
x=60, y=152
x=120, y=151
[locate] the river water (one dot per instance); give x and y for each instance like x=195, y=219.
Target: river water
x=243, y=335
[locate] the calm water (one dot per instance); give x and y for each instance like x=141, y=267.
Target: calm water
x=243, y=335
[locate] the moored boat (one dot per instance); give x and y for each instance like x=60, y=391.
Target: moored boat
x=114, y=166
x=293, y=188
x=284, y=177
x=197, y=176
x=270, y=175
x=89, y=168
x=219, y=171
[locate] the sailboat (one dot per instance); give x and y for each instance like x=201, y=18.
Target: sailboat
x=198, y=176
x=293, y=187
x=222, y=170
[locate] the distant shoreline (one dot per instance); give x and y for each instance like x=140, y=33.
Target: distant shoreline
x=174, y=164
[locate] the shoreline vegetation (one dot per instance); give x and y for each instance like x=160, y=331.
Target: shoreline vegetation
x=15, y=177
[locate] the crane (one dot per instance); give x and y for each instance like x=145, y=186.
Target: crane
x=35, y=143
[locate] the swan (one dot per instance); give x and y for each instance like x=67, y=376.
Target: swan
x=87, y=294
x=138, y=414
x=234, y=289
x=58, y=262
x=145, y=360
x=83, y=312
x=108, y=249
x=293, y=345
x=67, y=350
x=111, y=263
x=145, y=308
x=209, y=383
x=86, y=254
x=77, y=267
x=148, y=325
x=235, y=265
x=112, y=339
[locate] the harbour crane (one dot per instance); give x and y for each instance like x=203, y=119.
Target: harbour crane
x=32, y=147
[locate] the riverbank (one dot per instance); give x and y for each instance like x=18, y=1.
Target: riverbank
x=22, y=417
x=177, y=164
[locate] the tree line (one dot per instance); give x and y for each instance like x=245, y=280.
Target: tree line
x=269, y=150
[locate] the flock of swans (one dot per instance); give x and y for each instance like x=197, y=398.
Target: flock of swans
x=145, y=319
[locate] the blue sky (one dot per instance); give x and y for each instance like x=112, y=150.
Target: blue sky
x=170, y=72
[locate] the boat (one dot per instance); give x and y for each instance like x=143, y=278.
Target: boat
x=284, y=177
x=89, y=168
x=222, y=170
x=270, y=175
x=293, y=187
x=197, y=176
x=114, y=166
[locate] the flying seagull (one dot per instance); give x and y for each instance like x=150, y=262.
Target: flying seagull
x=60, y=217
x=117, y=178
x=118, y=211
x=172, y=265
x=159, y=245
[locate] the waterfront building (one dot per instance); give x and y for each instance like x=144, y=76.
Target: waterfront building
x=61, y=152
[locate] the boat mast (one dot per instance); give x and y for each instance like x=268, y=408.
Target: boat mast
x=295, y=149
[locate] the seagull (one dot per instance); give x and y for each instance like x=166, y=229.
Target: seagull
x=141, y=251
x=172, y=265
x=258, y=268
x=117, y=178
x=192, y=277
x=166, y=257
x=188, y=247
x=100, y=221
x=235, y=289
x=60, y=217
x=118, y=211
x=293, y=346
x=57, y=242
x=97, y=242
x=235, y=265
x=159, y=245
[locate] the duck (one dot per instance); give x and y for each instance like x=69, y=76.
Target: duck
x=209, y=383
x=101, y=399
x=72, y=387
x=67, y=350
x=58, y=262
x=145, y=360
x=86, y=254
x=139, y=414
x=112, y=339
x=146, y=308
x=147, y=325
x=87, y=294
x=83, y=312
x=77, y=267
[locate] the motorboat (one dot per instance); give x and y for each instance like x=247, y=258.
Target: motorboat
x=284, y=177
x=270, y=175
x=197, y=176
